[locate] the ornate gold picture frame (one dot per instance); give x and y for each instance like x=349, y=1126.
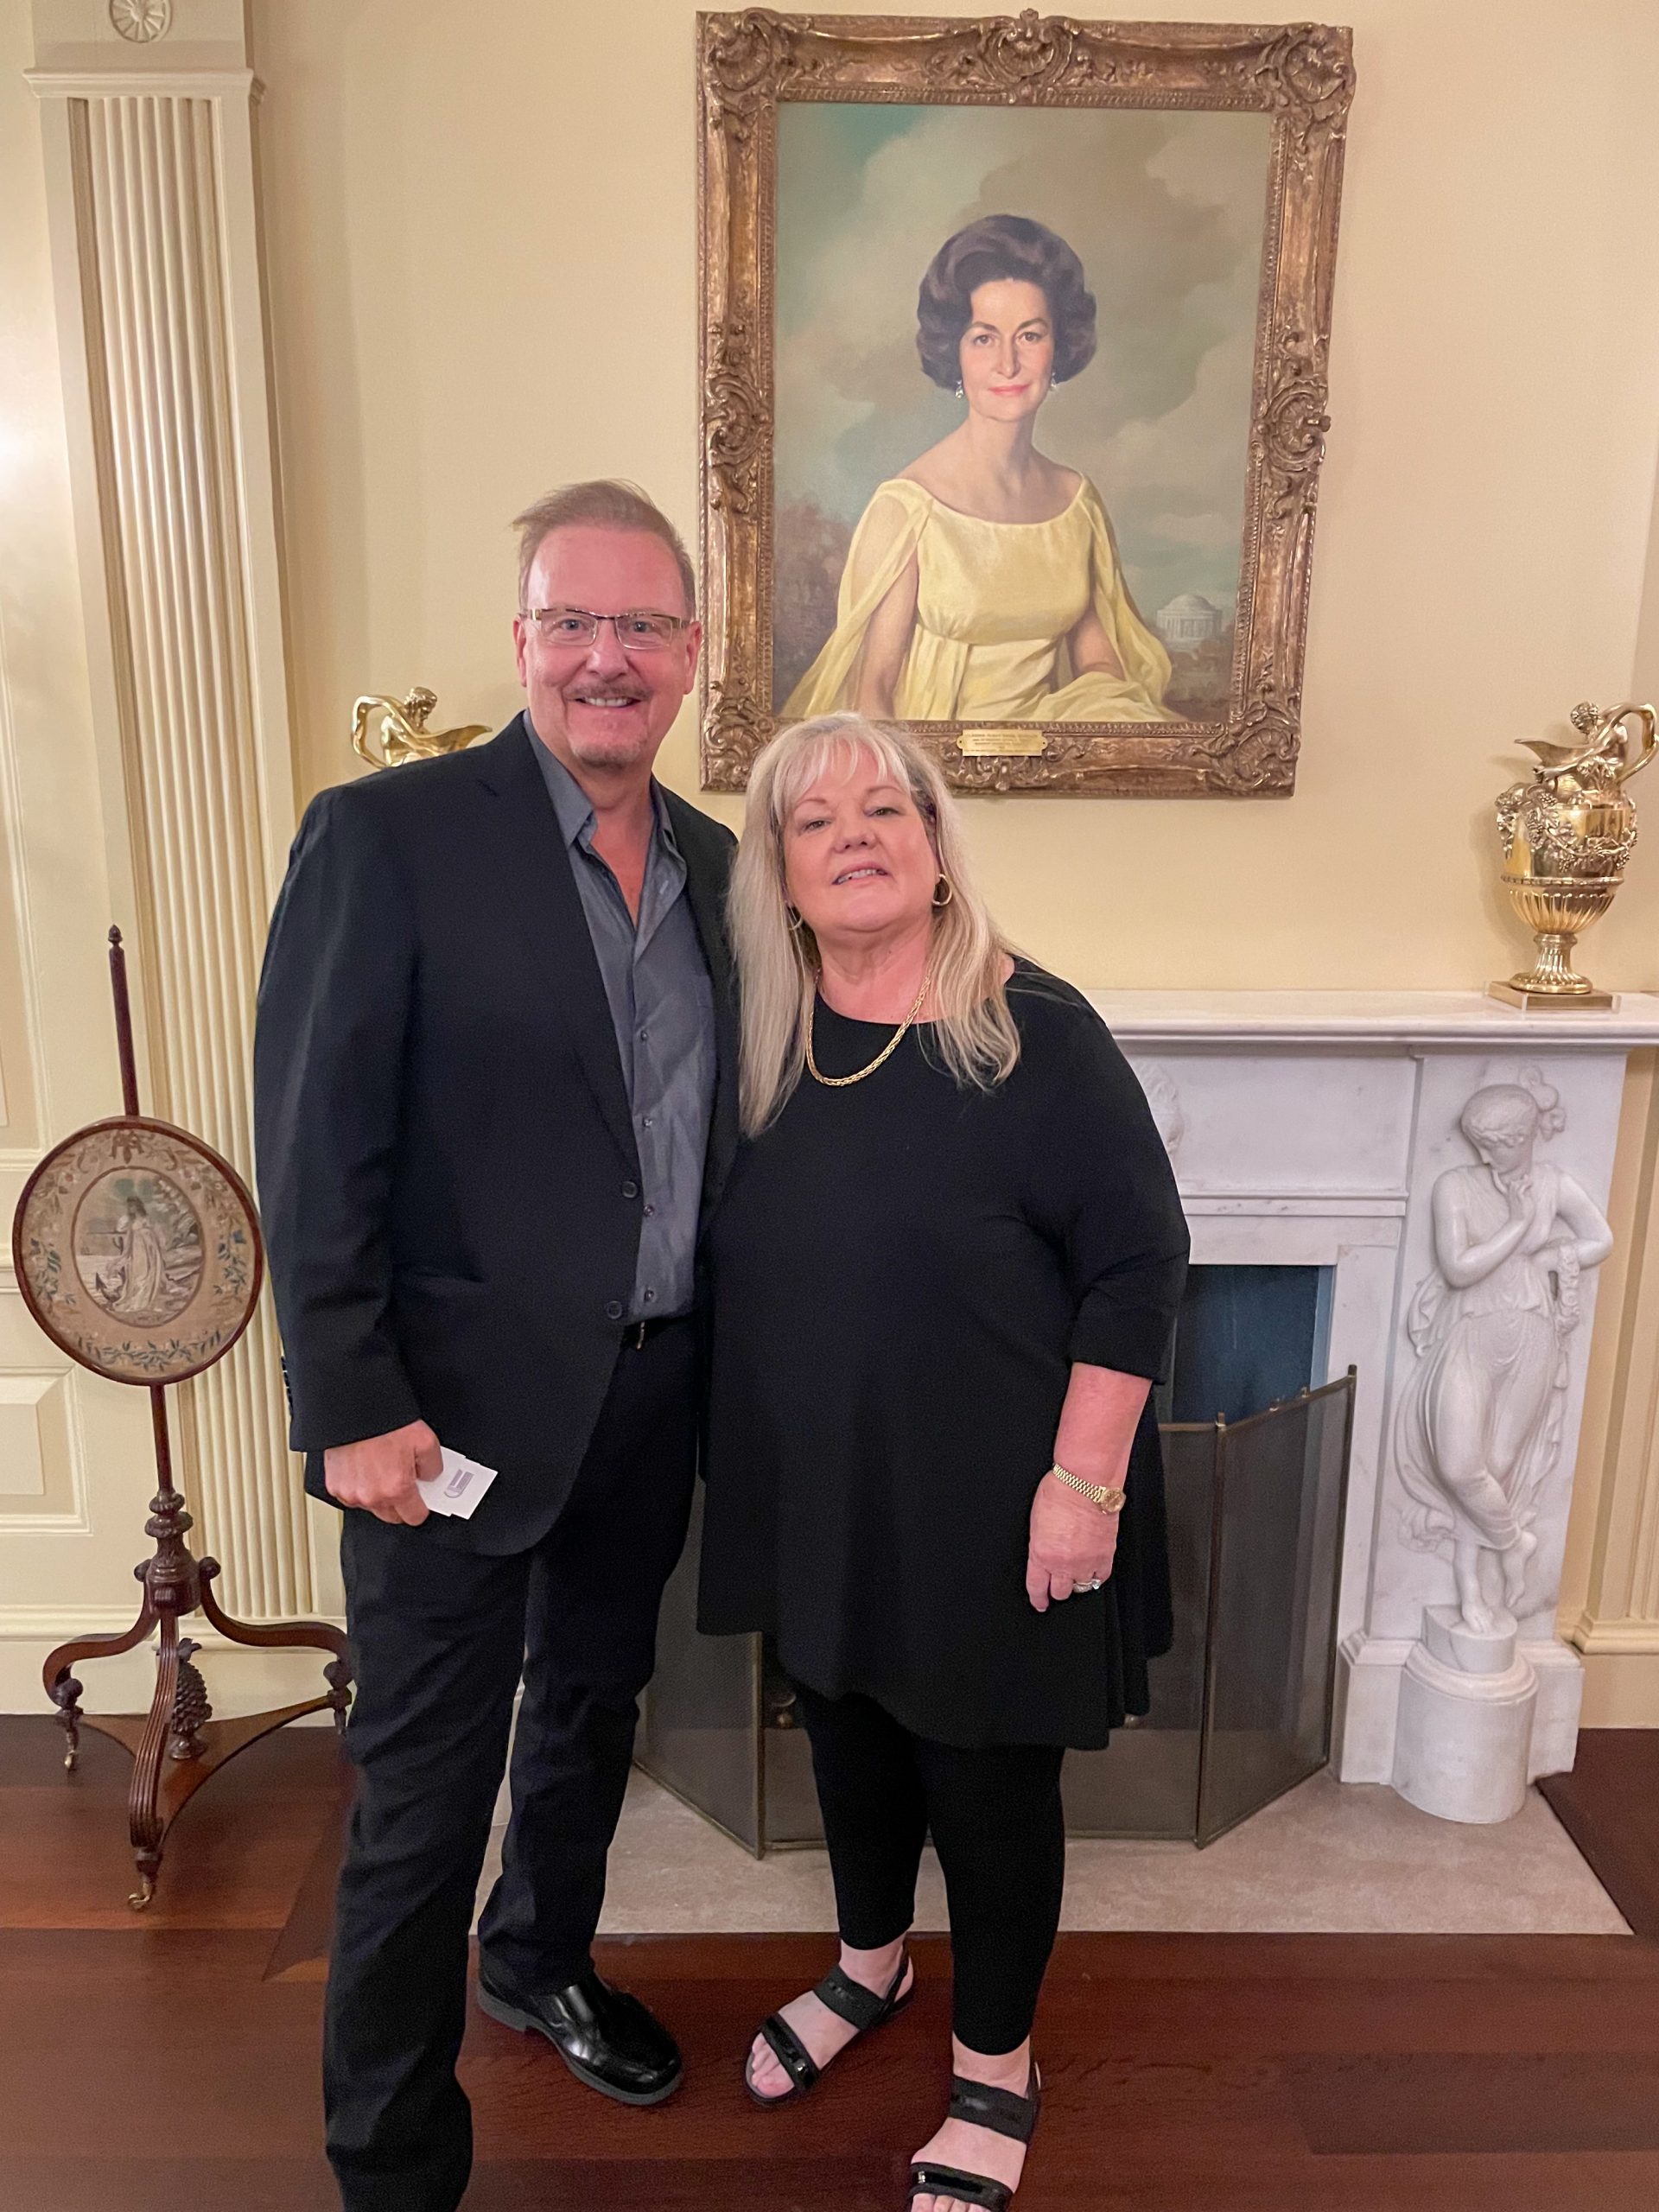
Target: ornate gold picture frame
x=1174, y=190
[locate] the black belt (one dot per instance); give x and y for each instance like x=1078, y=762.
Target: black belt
x=638, y=1334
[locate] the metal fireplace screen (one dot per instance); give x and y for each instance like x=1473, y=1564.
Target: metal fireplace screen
x=1240, y=1707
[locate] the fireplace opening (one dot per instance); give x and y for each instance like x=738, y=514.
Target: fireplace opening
x=1248, y=1337
x=1256, y=1457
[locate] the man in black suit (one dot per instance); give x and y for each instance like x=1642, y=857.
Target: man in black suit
x=494, y=1075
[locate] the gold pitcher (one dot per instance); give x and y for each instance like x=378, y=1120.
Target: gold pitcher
x=1567, y=837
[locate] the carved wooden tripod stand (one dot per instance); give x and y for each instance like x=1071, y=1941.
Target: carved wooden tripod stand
x=178, y=1745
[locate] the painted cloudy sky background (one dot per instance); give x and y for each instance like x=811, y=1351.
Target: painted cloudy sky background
x=1166, y=212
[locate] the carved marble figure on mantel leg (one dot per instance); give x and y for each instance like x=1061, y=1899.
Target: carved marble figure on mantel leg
x=1480, y=1422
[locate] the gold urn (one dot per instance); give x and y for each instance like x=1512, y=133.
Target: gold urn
x=1567, y=837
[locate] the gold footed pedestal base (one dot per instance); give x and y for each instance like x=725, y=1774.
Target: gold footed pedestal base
x=1558, y=909
x=1515, y=992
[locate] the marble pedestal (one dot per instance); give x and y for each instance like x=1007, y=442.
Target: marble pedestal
x=1462, y=1737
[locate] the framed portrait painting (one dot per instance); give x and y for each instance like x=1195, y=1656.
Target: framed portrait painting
x=1013, y=386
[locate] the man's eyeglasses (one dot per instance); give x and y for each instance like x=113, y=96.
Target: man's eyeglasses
x=639, y=630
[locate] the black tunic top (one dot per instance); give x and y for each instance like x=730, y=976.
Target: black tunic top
x=903, y=1273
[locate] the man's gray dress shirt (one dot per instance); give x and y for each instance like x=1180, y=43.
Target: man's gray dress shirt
x=663, y=1009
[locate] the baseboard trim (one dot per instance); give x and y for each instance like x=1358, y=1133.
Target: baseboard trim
x=1624, y=1638
x=1621, y=1689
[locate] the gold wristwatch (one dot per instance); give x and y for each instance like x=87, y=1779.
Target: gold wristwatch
x=1108, y=1497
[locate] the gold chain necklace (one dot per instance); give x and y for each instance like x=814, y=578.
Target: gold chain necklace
x=841, y=1082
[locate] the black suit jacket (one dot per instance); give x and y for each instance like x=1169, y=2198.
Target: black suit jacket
x=446, y=1163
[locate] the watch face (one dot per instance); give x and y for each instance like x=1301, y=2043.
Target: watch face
x=138, y=1251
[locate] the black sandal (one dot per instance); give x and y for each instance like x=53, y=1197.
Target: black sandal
x=981, y=2106
x=849, y=2000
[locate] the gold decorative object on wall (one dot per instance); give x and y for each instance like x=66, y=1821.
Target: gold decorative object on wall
x=402, y=733
x=1567, y=837
x=1120, y=608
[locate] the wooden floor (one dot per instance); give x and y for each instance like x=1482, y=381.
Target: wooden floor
x=1610, y=1807
x=148, y=2063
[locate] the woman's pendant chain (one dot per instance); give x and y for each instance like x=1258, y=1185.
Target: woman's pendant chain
x=841, y=1082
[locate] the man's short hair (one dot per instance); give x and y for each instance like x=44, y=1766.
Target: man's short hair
x=610, y=503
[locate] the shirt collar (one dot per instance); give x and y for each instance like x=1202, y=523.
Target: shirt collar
x=575, y=809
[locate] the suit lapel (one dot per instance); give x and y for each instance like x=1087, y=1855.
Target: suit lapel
x=542, y=894
x=706, y=874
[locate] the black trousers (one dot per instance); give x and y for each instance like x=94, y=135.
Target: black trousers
x=441, y=1638
x=1000, y=1831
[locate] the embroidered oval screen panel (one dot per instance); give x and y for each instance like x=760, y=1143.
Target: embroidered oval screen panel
x=138, y=1251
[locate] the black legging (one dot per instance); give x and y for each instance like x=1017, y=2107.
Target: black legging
x=1000, y=1832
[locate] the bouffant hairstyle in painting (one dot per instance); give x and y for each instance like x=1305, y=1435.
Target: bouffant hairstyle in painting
x=1000, y=246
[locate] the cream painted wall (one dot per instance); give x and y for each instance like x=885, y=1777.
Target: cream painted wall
x=1487, y=496
x=1483, y=550
x=1480, y=563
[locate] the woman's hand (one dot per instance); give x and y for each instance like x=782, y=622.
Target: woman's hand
x=1072, y=1542
x=1522, y=1198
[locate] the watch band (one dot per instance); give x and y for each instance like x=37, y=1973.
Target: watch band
x=1108, y=1497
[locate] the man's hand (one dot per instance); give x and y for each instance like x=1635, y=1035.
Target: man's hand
x=1072, y=1542
x=379, y=1473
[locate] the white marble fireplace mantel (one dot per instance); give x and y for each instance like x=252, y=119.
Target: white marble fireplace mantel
x=1384, y=1018
x=1309, y=1128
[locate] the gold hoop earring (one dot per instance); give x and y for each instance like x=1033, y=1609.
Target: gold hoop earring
x=948, y=892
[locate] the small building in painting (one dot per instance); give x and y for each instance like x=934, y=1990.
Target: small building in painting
x=1189, y=620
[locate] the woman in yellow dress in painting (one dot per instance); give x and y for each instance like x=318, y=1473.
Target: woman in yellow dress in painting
x=983, y=584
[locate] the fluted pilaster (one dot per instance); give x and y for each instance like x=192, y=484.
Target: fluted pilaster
x=150, y=170
x=1610, y=1593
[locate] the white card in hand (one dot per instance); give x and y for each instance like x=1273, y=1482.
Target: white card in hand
x=457, y=1486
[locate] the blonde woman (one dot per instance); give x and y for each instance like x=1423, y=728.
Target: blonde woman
x=945, y=1273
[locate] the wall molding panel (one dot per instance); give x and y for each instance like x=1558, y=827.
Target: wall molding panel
x=152, y=195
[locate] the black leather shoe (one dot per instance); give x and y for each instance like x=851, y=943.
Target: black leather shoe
x=605, y=2036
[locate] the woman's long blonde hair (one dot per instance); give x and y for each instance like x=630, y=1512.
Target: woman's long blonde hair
x=974, y=1034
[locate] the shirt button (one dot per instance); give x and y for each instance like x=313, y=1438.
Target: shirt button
x=644, y=1036
x=614, y=1311
x=650, y=1211
x=646, y=1121
x=630, y=1190
x=649, y=1297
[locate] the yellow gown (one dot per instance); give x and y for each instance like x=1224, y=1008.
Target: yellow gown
x=996, y=604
